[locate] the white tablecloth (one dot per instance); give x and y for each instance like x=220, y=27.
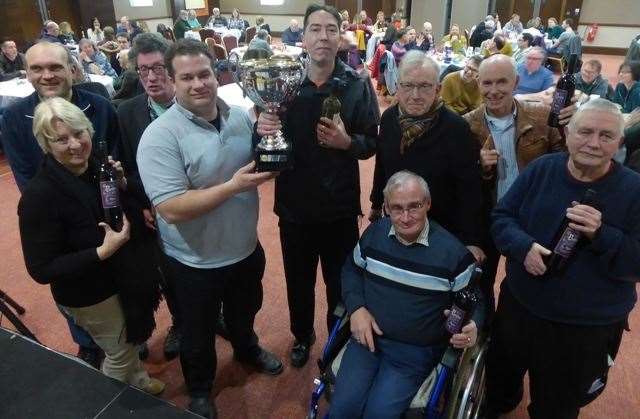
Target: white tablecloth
x=289, y=50
x=222, y=30
x=17, y=88
x=232, y=95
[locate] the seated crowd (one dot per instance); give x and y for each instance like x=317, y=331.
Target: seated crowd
x=467, y=170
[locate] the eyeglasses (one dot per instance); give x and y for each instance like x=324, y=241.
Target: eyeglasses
x=158, y=70
x=422, y=87
x=413, y=209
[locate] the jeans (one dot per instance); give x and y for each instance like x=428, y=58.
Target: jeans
x=381, y=384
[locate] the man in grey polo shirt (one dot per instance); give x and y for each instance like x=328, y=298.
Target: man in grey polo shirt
x=196, y=164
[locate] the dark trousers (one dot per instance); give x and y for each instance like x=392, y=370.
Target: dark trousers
x=488, y=278
x=302, y=246
x=199, y=293
x=567, y=364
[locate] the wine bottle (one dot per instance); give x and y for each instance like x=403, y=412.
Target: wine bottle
x=565, y=89
x=331, y=105
x=564, y=244
x=109, y=191
x=464, y=302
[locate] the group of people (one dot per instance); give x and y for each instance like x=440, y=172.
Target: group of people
x=452, y=188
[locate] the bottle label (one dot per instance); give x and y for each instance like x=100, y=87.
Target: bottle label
x=567, y=242
x=110, y=195
x=455, y=319
x=559, y=98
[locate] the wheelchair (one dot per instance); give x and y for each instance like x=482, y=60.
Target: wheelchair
x=453, y=390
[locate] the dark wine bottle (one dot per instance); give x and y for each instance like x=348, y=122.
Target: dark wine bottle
x=565, y=89
x=331, y=105
x=565, y=241
x=109, y=189
x=464, y=302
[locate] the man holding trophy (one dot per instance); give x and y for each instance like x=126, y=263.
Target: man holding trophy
x=197, y=165
x=330, y=124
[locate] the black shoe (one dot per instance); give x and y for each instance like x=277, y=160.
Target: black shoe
x=221, y=327
x=92, y=356
x=172, y=343
x=300, y=351
x=143, y=351
x=265, y=362
x=203, y=407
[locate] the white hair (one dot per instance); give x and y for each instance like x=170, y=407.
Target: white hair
x=598, y=105
x=414, y=59
x=402, y=178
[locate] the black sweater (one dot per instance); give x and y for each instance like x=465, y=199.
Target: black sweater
x=447, y=158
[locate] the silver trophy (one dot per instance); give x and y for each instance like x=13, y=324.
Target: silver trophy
x=270, y=82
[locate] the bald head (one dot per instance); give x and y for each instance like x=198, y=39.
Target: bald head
x=52, y=28
x=428, y=28
x=498, y=61
x=49, y=69
x=294, y=25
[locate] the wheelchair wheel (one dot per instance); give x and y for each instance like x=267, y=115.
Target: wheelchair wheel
x=467, y=395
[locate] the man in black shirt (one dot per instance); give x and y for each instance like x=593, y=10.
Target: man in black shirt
x=12, y=62
x=318, y=201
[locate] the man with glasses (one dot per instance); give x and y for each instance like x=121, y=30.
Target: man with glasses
x=396, y=286
x=525, y=40
x=533, y=76
x=49, y=69
x=589, y=80
x=564, y=326
x=318, y=200
x=460, y=89
x=134, y=116
x=422, y=135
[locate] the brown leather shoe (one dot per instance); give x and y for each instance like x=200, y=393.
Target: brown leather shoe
x=154, y=387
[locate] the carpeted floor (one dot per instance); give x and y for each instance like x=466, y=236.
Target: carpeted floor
x=239, y=393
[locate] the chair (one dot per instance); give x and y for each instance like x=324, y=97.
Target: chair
x=251, y=32
x=230, y=42
x=556, y=63
x=170, y=35
x=218, y=38
x=207, y=33
x=210, y=42
x=219, y=52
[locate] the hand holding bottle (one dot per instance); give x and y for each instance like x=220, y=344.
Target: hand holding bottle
x=332, y=133
x=584, y=219
x=489, y=159
x=119, y=171
x=113, y=240
x=467, y=336
x=534, y=262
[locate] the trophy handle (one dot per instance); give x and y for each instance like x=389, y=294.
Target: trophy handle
x=234, y=62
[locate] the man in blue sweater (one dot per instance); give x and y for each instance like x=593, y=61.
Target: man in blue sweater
x=564, y=326
x=396, y=286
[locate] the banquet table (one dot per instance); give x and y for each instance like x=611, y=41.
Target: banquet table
x=223, y=30
x=232, y=94
x=293, y=52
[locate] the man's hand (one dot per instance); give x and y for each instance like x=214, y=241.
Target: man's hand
x=477, y=253
x=566, y=113
x=375, y=214
x=332, y=134
x=362, y=327
x=149, y=216
x=467, y=336
x=246, y=178
x=268, y=123
x=488, y=159
x=533, y=262
x=113, y=240
x=585, y=219
x=117, y=166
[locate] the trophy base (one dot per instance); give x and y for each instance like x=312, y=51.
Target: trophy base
x=273, y=160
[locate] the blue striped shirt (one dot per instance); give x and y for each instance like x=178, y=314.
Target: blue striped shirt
x=503, y=132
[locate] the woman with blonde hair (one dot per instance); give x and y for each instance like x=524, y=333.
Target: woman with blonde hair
x=66, y=34
x=98, y=276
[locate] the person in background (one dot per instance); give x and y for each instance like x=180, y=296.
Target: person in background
x=93, y=61
x=627, y=92
x=293, y=34
x=95, y=33
x=144, y=27
x=564, y=326
x=134, y=30
x=237, y=22
x=123, y=25
x=533, y=76
x=216, y=19
x=261, y=25
x=460, y=90
x=361, y=33
x=482, y=32
x=513, y=26
x=66, y=242
x=13, y=64
x=563, y=40
x=405, y=37
x=193, y=20
x=51, y=33
x=532, y=28
x=344, y=14
x=261, y=41
x=457, y=41
x=525, y=40
x=554, y=30
x=321, y=226
x=380, y=24
x=499, y=44
x=589, y=80
x=181, y=26
x=536, y=23
x=366, y=20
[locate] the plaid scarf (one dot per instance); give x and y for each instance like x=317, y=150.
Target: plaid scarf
x=414, y=127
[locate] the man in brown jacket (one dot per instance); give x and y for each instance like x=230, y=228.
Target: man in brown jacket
x=511, y=134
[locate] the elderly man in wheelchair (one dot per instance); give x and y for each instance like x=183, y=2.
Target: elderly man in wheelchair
x=397, y=288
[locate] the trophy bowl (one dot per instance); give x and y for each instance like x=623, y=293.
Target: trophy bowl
x=270, y=82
